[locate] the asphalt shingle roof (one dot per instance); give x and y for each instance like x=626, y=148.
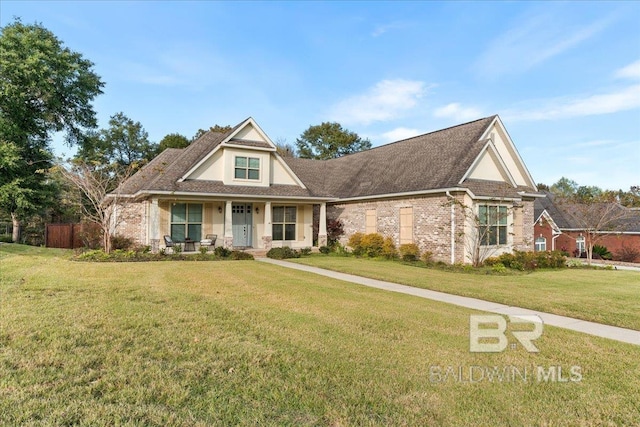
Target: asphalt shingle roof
x=625, y=219
x=434, y=160
x=430, y=161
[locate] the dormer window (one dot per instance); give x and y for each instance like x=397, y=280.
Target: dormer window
x=247, y=168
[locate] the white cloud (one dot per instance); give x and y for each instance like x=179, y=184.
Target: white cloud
x=384, y=101
x=527, y=44
x=399, y=134
x=631, y=71
x=381, y=29
x=596, y=143
x=455, y=111
x=622, y=100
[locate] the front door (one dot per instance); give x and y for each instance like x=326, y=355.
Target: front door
x=241, y=221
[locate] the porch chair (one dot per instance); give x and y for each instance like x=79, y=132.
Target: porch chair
x=168, y=242
x=209, y=241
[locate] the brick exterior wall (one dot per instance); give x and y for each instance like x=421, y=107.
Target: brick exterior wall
x=431, y=223
x=132, y=222
x=527, y=239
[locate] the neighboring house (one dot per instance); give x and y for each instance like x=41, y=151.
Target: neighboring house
x=557, y=229
x=236, y=186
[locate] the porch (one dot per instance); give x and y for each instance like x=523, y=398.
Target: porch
x=238, y=224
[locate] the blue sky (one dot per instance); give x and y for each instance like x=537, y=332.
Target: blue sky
x=564, y=77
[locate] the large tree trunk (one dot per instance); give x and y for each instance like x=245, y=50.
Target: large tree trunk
x=16, y=228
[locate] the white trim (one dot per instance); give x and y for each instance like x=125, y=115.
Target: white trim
x=584, y=230
x=228, y=138
x=498, y=121
x=554, y=227
x=536, y=195
x=284, y=164
x=405, y=194
x=226, y=196
x=197, y=165
x=485, y=149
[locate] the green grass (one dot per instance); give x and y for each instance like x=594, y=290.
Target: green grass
x=604, y=296
x=247, y=343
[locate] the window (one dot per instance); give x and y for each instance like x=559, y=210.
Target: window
x=283, y=222
x=580, y=245
x=541, y=244
x=493, y=225
x=370, y=221
x=247, y=168
x=406, y=225
x=186, y=221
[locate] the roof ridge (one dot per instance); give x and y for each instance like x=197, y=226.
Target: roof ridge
x=418, y=136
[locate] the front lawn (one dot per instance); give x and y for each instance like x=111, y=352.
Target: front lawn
x=248, y=343
x=604, y=296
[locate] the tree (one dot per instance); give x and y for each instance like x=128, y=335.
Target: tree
x=328, y=141
x=44, y=88
x=215, y=128
x=486, y=228
x=99, y=204
x=285, y=149
x=124, y=144
x=565, y=187
x=172, y=140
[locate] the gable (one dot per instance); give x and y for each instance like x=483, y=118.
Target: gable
x=247, y=143
x=249, y=133
x=490, y=166
x=508, y=155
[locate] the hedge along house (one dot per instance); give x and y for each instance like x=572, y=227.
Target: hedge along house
x=419, y=190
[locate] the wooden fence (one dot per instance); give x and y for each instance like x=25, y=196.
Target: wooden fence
x=71, y=236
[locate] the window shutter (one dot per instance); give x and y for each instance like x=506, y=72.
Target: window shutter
x=406, y=225
x=370, y=221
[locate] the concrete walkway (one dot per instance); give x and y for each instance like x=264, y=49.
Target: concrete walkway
x=592, y=328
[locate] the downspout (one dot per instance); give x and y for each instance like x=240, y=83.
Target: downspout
x=453, y=228
x=553, y=240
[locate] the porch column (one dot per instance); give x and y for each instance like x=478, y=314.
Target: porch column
x=153, y=227
x=267, y=237
x=322, y=227
x=228, y=225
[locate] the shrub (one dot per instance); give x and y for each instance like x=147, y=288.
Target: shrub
x=121, y=242
x=389, y=250
x=372, y=244
x=6, y=238
x=305, y=251
x=335, y=230
x=341, y=249
x=240, y=255
x=324, y=249
x=499, y=267
x=409, y=252
x=628, y=254
x=601, y=251
x=221, y=252
x=203, y=250
x=491, y=261
x=283, y=253
x=355, y=243
x=427, y=257
x=519, y=260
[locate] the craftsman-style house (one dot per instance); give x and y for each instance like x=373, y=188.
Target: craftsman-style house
x=418, y=190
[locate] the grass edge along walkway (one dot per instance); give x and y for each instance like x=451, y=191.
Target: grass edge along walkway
x=592, y=328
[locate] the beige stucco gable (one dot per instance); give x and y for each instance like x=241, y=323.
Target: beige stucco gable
x=489, y=166
x=249, y=143
x=499, y=160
